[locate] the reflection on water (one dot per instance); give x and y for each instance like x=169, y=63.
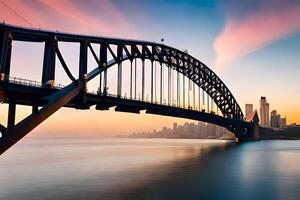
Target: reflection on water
x=150, y=169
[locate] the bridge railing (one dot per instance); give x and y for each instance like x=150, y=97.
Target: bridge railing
x=32, y=83
x=20, y=81
x=147, y=101
x=26, y=82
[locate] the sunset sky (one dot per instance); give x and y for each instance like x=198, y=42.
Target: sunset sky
x=253, y=46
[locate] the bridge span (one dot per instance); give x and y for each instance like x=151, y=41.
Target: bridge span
x=179, y=85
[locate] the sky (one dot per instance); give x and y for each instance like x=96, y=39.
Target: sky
x=252, y=45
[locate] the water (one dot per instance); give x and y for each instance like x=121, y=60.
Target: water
x=150, y=169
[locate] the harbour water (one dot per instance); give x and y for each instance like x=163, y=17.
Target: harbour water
x=150, y=169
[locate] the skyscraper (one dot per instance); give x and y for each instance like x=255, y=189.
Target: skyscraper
x=264, y=112
x=275, y=119
x=249, y=111
x=283, y=122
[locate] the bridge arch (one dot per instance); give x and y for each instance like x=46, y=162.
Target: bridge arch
x=188, y=66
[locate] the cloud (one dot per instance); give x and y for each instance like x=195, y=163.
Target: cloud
x=264, y=24
x=68, y=15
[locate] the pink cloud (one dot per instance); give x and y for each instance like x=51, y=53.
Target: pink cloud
x=67, y=15
x=261, y=27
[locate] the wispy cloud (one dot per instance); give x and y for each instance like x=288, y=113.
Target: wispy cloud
x=245, y=32
x=68, y=15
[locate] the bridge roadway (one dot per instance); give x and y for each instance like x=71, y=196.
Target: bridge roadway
x=30, y=93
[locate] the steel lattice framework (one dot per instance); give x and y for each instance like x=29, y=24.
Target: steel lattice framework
x=184, y=63
x=120, y=50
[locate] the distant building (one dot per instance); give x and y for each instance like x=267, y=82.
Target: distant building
x=283, y=122
x=249, y=111
x=293, y=125
x=164, y=129
x=188, y=130
x=264, y=112
x=275, y=119
x=174, y=126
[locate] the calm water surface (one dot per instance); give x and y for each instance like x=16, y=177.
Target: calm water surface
x=151, y=169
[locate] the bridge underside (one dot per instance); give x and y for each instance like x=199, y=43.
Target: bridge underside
x=29, y=96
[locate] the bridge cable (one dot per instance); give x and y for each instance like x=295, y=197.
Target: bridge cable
x=189, y=82
x=143, y=79
x=100, y=84
x=194, y=96
x=172, y=86
x=130, y=79
x=155, y=80
x=135, y=74
x=199, y=97
x=161, y=84
x=64, y=65
x=203, y=99
x=169, y=86
x=151, y=81
x=207, y=102
x=183, y=82
x=178, y=97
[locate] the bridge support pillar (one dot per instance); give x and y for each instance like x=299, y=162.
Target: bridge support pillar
x=103, y=62
x=119, y=76
x=5, y=52
x=248, y=134
x=256, y=131
x=35, y=109
x=83, y=75
x=11, y=114
x=49, y=63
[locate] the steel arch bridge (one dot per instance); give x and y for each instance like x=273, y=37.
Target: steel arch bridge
x=46, y=97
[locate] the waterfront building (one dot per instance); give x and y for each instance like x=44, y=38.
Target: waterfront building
x=283, y=122
x=275, y=119
x=264, y=112
x=249, y=111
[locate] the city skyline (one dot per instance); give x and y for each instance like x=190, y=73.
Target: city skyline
x=200, y=130
x=251, y=67
x=267, y=117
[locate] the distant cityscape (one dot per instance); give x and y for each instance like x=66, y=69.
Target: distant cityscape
x=265, y=119
x=201, y=130
x=274, y=126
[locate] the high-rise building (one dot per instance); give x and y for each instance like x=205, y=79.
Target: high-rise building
x=283, y=122
x=264, y=112
x=249, y=111
x=275, y=119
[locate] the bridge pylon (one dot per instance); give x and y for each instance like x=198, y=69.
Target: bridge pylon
x=250, y=133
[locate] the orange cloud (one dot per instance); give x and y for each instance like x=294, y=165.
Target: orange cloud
x=261, y=27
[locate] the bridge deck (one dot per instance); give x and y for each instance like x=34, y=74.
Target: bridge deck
x=30, y=93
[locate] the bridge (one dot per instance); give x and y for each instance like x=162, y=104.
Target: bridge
x=162, y=80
